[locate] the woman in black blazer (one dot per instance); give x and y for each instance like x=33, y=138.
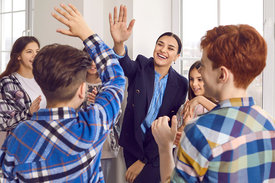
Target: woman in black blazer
x=154, y=89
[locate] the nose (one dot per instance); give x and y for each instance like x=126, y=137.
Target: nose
x=163, y=49
x=195, y=82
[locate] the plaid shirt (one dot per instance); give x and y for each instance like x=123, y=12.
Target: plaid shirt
x=235, y=142
x=14, y=103
x=60, y=145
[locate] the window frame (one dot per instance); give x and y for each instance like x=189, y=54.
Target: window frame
x=268, y=87
x=28, y=25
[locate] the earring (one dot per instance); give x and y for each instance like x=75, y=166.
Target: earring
x=174, y=62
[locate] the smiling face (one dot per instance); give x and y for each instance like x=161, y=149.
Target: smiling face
x=92, y=70
x=165, y=51
x=196, y=82
x=27, y=56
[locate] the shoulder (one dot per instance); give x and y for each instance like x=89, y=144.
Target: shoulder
x=9, y=82
x=144, y=60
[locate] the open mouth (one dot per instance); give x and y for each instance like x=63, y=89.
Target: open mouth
x=162, y=56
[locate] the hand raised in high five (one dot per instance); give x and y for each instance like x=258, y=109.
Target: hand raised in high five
x=119, y=30
x=72, y=18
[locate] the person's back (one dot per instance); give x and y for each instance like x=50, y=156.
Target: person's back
x=235, y=140
x=58, y=144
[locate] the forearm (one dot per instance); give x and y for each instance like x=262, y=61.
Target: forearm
x=119, y=49
x=111, y=75
x=9, y=122
x=209, y=105
x=167, y=164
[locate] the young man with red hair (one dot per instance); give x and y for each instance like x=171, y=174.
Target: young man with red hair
x=234, y=142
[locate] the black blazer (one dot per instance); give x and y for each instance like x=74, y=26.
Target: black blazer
x=141, y=75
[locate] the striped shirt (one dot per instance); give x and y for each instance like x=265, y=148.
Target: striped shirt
x=235, y=142
x=60, y=145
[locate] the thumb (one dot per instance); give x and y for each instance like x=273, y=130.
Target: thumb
x=174, y=124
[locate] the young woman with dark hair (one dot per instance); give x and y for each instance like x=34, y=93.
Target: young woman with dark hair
x=20, y=94
x=155, y=89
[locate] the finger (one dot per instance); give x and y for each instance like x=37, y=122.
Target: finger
x=115, y=15
x=110, y=20
x=64, y=13
x=68, y=10
x=74, y=9
x=124, y=18
x=132, y=178
x=131, y=25
x=65, y=32
x=60, y=19
x=121, y=12
x=174, y=124
x=127, y=176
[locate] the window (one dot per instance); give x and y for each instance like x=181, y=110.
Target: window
x=14, y=23
x=196, y=17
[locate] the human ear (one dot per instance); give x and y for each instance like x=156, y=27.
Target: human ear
x=223, y=74
x=82, y=90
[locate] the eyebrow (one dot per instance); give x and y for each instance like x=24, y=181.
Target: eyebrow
x=170, y=45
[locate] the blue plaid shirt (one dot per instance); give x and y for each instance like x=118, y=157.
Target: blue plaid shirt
x=234, y=142
x=60, y=145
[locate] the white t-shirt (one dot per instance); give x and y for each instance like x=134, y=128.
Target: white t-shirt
x=32, y=89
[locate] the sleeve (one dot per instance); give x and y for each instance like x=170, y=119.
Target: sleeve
x=102, y=114
x=13, y=106
x=129, y=66
x=193, y=155
x=180, y=116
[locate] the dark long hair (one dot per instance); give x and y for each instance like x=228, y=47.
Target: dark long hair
x=174, y=36
x=17, y=48
x=195, y=65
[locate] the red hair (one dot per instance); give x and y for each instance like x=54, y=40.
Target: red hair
x=240, y=48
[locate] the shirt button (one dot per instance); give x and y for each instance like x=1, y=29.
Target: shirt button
x=137, y=91
x=133, y=105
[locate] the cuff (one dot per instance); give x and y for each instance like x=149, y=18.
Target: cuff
x=119, y=56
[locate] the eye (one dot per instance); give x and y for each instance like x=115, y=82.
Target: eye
x=159, y=44
x=171, y=49
x=199, y=79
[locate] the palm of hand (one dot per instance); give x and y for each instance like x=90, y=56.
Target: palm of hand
x=119, y=32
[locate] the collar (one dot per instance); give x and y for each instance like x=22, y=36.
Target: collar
x=54, y=114
x=236, y=102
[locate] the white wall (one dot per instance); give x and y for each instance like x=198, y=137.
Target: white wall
x=151, y=22
x=152, y=19
x=268, y=73
x=44, y=25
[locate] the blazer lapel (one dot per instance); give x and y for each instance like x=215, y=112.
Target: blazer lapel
x=150, y=79
x=170, y=91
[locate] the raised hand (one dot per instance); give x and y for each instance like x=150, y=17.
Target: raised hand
x=72, y=18
x=35, y=105
x=118, y=28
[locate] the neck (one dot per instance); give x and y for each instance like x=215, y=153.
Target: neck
x=233, y=93
x=62, y=104
x=93, y=79
x=162, y=71
x=25, y=73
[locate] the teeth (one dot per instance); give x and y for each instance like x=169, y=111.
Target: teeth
x=161, y=56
